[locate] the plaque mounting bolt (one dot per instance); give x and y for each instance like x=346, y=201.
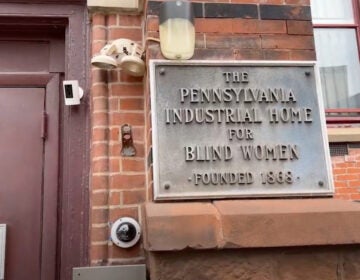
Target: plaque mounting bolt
x=321, y=183
x=167, y=186
x=162, y=71
x=307, y=73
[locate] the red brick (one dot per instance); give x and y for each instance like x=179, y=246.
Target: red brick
x=287, y=42
x=245, y=26
x=99, y=234
x=276, y=55
x=115, y=133
x=114, y=198
x=98, y=33
x=98, y=75
x=99, y=90
x=99, y=182
x=127, y=90
x=248, y=54
x=98, y=252
x=100, y=165
x=99, y=216
x=340, y=184
x=134, y=34
x=140, y=149
x=342, y=165
x=114, y=104
x=99, y=199
x=337, y=171
x=272, y=26
x=355, y=184
x=150, y=193
x=132, y=104
x=153, y=52
x=253, y=26
x=99, y=119
x=152, y=24
x=127, y=182
x=138, y=133
x=99, y=150
x=272, y=1
x=298, y=2
x=127, y=20
x=213, y=25
x=346, y=190
x=129, y=118
x=224, y=42
x=150, y=175
x=297, y=27
x=302, y=55
x=129, y=79
x=353, y=170
x=119, y=253
x=114, y=149
x=346, y=177
x=114, y=165
x=353, y=151
x=96, y=47
x=100, y=104
x=98, y=19
x=100, y=134
x=134, y=165
x=113, y=76
x=134, y=197
x=152, y=34
x=355, y=196
x=245, y=1
x=199, y=40
x=112, y=20
x=116, y=213
x=149, y=139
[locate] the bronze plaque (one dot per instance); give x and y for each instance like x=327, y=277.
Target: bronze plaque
x=230, y=129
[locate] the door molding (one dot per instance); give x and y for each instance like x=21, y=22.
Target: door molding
x=50, y=82
x=74, y=122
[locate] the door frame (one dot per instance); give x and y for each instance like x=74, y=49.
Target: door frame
x=74, y=135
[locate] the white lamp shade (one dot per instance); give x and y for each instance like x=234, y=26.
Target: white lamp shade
x=177, y=31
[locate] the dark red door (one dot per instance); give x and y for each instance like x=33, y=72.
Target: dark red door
x=21, y=180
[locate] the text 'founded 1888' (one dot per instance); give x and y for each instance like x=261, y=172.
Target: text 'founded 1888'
x=237, y=130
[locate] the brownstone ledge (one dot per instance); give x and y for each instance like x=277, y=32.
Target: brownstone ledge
x=250, y=224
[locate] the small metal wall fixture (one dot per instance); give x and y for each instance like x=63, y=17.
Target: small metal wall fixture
x=128, y=149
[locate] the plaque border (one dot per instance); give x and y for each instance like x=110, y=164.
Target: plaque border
x=153, y=63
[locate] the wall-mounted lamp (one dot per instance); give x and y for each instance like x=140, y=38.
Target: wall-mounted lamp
x=122, y=53
x=177, y=31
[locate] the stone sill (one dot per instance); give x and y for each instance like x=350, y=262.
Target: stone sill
x=116, y=6
x=250, y=224
x=351, y=134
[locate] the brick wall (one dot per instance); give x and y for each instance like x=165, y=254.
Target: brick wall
x=117, y=183
x=232, y=30
x=346, y=172
x=247, y=31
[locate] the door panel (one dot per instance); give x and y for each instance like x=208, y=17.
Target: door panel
x=21, y=179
